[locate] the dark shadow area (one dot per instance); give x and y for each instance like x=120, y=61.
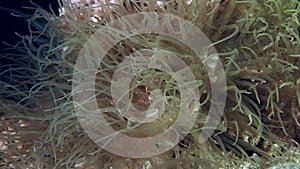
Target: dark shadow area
x=12, y=25
x=13, y=17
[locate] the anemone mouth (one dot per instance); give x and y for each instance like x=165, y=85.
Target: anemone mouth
x=258, y=44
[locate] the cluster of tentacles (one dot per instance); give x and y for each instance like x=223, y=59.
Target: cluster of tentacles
x=258, y=43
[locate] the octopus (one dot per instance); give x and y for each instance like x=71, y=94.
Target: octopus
x=141, y=98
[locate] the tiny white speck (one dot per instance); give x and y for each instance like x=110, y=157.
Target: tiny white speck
x=65, y=49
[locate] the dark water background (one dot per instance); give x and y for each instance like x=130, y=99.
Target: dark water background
x=10, y=24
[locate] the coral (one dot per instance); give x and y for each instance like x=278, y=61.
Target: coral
x=257, y=41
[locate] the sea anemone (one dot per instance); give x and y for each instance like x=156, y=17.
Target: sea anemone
x=257, y=42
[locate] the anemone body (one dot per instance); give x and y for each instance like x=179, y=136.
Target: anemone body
x=257, y=41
